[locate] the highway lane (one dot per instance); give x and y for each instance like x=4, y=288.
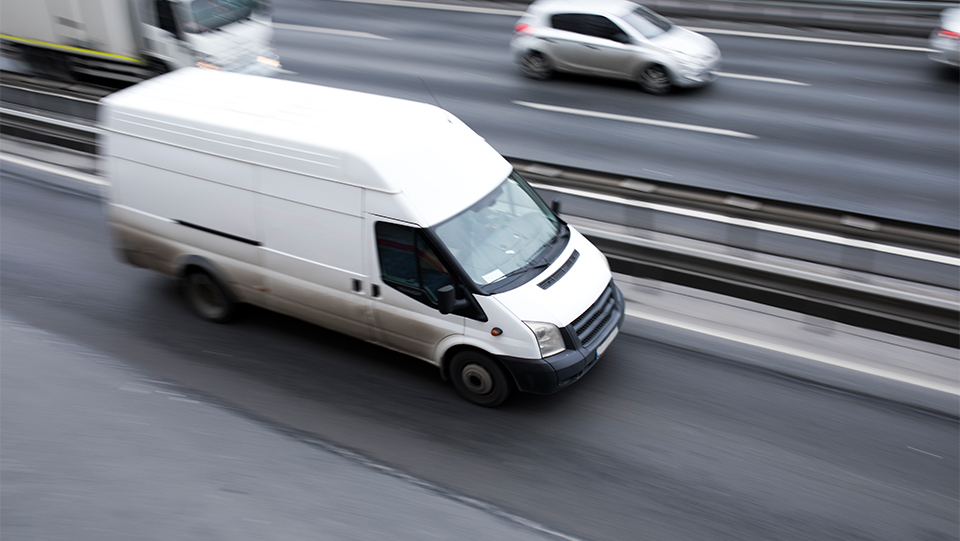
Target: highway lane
x=871, y=131
x=656, y=443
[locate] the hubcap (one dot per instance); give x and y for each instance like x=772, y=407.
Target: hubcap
x=207, y=296
x=655, y=79
x=476, y=379
x=535, y=65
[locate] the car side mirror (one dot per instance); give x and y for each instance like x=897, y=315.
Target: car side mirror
x=621, y=38
x=446, y=299
x=555, y=206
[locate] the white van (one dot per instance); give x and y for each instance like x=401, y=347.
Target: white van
x=384, y=219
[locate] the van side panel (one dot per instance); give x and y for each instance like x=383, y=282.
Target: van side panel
x=180, y=184
x=311, y=250
x=168, y=214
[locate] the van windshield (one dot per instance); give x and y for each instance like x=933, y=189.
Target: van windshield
x=209, y=15
x=508, y=232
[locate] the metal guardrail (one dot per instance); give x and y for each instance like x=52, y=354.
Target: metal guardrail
x=893, y=17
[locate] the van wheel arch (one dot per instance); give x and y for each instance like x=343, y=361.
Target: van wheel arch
x=460, y=351
x=195, y=265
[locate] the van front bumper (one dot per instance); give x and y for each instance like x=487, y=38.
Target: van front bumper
x=549, y=375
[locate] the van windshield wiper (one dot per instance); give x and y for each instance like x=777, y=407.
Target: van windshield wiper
x=523, y=270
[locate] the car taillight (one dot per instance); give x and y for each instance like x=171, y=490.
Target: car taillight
x=944, y=33
x=523, y=28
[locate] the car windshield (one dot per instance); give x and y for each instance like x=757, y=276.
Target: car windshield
x=209, y=15
x=502, y=234
x=647, y=22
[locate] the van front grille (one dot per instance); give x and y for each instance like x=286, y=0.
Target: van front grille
x=590, y=324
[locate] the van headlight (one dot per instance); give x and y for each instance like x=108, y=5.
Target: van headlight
x=548, y=337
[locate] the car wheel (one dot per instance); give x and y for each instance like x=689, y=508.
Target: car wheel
x=536, y=65
x=654, y=79
x=479, y=379
x=207, y=297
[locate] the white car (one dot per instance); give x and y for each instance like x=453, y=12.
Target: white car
x=945, y=40
x=612, y=38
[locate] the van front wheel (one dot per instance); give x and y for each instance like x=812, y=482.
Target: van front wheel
x=207, y=297
x=479, y=379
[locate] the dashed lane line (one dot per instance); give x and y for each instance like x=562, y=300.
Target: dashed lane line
x=329, y=31
x=635, y=120
x=760, y=79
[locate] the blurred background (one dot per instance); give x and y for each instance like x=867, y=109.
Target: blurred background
x=783, y=222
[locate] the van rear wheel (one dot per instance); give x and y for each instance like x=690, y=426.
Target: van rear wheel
x=479, y=379
x=207, y=297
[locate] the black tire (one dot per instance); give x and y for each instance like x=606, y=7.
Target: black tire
x=536, y=65
x=479, y=379
x=207, y=297
x=654, y=79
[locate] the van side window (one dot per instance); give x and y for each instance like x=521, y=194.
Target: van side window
x=409, y=264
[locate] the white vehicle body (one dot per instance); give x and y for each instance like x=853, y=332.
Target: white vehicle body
x=298, y=198
x=130, y=40
x=945, y=40
x=612, y=38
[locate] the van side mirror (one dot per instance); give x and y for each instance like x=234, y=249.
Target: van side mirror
x=555, y=206
x=446, y=298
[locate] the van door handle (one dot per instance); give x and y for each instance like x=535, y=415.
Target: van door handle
x=357, y=286
x=376, y=291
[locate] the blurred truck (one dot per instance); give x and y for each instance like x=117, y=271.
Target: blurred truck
x=132, y=40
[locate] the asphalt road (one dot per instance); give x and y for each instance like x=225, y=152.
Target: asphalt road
x=657, y=443
x=865, y=130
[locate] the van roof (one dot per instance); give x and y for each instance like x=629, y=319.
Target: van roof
x=376, y=142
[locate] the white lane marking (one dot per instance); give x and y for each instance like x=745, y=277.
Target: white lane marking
x=879, y=372
x=635, y=120
x=807, y=39
x=924, y=452
x=761, y=79
x=135, y=390
x=178, y=399
x=56, y=170
x=439, y=7
x=330, y=31
x=217, y=353
x=942, y=495
x=785, y=230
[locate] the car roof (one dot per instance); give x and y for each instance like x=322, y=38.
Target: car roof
x=612, y=7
